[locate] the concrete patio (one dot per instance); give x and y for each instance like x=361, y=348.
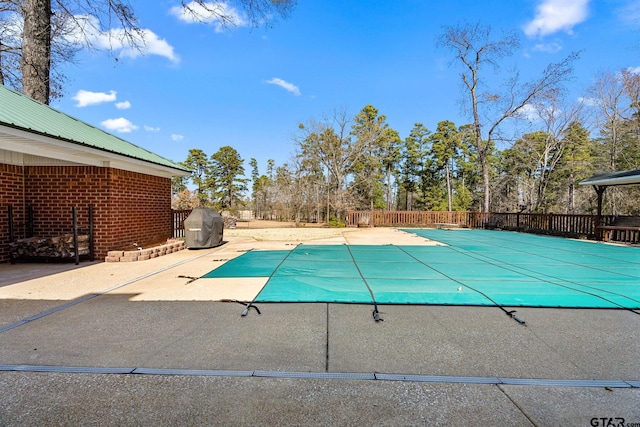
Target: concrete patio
x=144, y=344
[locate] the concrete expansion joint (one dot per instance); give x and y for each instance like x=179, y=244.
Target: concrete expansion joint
x=361, y=376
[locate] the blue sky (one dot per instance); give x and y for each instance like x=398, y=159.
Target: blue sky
x=198, y=86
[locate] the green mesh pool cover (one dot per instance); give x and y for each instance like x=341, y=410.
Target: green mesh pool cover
x=476, y=267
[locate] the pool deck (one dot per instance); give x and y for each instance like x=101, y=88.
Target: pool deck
x=142, y=344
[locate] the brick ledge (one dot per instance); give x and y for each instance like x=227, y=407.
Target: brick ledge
x=145, y=254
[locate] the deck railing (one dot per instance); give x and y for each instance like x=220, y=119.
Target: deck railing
x=569, y=225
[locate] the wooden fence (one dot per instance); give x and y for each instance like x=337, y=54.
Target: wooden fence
x=567, y=225
x=177, y=221
x=408, y=218
x=556, y=224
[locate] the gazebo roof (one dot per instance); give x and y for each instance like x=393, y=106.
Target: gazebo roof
x=614, y=178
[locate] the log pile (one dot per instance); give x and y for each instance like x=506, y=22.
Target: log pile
x=230, y=221
x=54, y=247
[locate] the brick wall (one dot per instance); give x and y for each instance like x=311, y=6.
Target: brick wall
x=128, y=207
x=11, y=194
x=140, y=210
x=54, y=190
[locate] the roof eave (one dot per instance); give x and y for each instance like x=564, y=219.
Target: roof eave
x=613, y=179
x=31, y=142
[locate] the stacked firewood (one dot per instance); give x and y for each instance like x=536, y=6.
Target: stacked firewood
x=230, y=221
x=53, y=247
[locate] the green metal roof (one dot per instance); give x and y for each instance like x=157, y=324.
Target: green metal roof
x=21, y=112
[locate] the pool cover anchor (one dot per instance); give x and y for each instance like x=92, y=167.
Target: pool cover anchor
x=246, y=310
x=247, y=305
x=516, y=318
x=376, y=315
x=191, y=278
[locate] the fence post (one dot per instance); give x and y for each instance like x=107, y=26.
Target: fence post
x=11, y=236
x=30, y=221
x=74, y=210
x=10, y=213
x=91, y=249
x=173, y=225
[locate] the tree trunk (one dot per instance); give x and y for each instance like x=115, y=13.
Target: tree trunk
x=389, y=191
x=486, y=182
x=572, y=198
x=36, y=49
x=449, y=192
x=1, y=67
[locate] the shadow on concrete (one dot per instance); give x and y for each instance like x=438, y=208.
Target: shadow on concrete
x=21, y=272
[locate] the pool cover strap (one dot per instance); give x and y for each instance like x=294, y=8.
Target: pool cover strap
x=510, y=313
x=251, y=303
x=376, y=313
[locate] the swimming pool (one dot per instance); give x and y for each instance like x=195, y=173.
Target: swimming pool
x=469, y=267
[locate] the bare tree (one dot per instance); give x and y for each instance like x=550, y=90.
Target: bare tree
x=330, y=143
x=475, y=50
x=557, y=120
x=295, y=186
x=258, y=12
x=46, y=29
x=10, y=36
x=46, y=22
x=13, y=70
x=616, y=97
x=36, y=49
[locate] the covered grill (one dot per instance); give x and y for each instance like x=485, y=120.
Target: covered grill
x=203, y=228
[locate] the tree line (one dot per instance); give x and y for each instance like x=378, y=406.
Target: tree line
x=344, y=162
x=490, y=164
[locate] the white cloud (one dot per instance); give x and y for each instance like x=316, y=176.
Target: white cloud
x=120, y=125
x=634, y=70
x=218, y=13
x=589, y=101
x=548, y=47
x=536, y=112
x=557, y=15
x=124, y=105
x=150, y=44
x=290, y=87
x=85, y=98
x=151, y=129
x=629, y=13
x=176, y=137
x=529, y=112
x=145, y=41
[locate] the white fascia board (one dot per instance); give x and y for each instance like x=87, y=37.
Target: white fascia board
x=623, y=180
x=20, y=141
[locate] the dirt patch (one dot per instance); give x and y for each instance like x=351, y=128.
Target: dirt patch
x=262, y=223
x=287, y=234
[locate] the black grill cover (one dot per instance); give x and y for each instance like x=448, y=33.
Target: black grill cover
x=203, y=228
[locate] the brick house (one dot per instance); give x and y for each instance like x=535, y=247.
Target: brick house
x=51, y=162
